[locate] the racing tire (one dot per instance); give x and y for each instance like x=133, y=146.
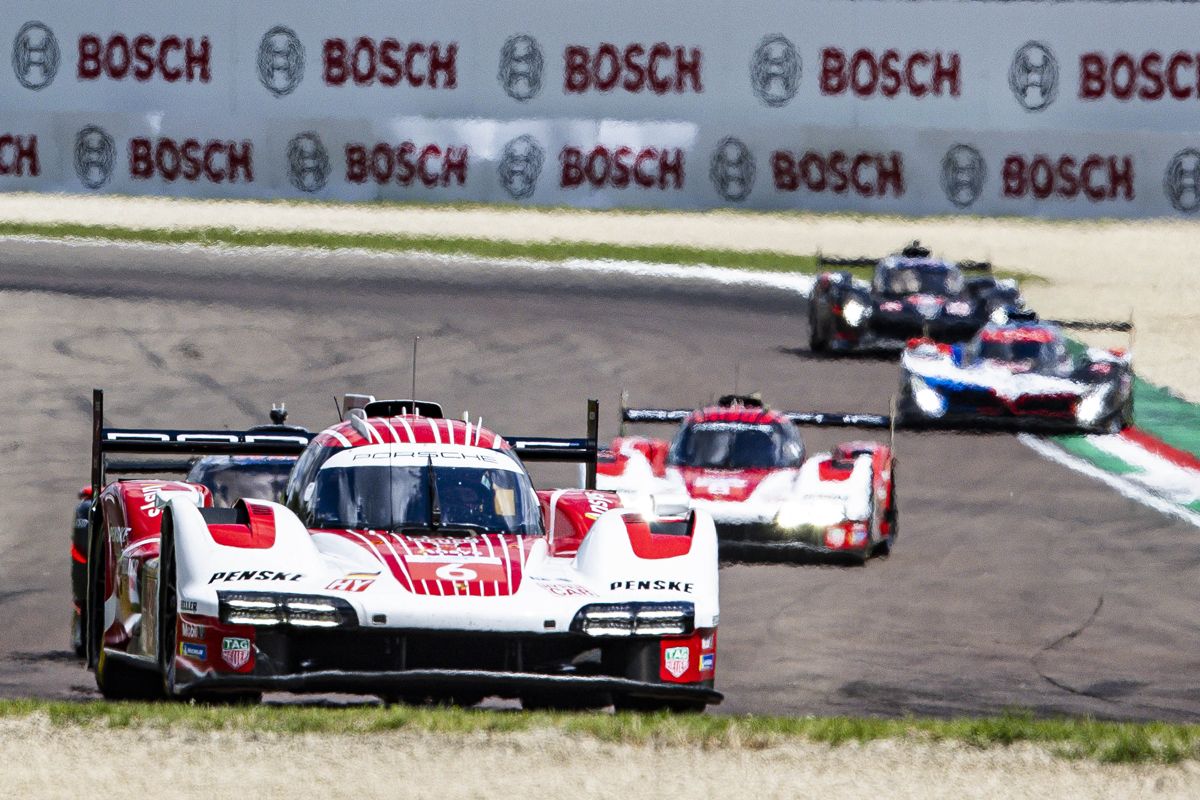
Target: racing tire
x=115, y=680
x=168, y=606
x=892, y=517
x=78, y=642
x=817, y=342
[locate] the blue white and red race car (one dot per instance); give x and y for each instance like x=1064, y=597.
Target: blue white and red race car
x=746, y=465
x=1017, y=375
x=410, y=558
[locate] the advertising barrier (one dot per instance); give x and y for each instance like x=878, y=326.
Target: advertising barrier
x=1063, y=110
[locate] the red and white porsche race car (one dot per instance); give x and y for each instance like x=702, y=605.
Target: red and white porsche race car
x=746, y=466
x=412, y=559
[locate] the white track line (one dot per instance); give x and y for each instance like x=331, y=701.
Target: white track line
x=1122, y=486
x=801, y=283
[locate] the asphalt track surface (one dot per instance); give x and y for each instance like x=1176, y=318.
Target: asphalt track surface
x=1016, y=583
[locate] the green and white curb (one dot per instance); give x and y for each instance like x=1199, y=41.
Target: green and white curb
x=1156, y=462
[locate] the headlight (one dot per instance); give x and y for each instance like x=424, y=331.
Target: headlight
x=835, y=537
x=999, y=315
x=790, y=516
x=958, y=308
x=931, y=402
x=1092, y=405
x=301, y=611
x=635, y=619
x=855, y=312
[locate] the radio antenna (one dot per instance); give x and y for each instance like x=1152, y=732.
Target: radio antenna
x=414, y=374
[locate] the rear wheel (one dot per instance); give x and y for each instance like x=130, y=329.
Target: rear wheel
x=817, y=341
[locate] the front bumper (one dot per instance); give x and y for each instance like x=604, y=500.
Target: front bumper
x=385, y=662
x=451, y=681
x=767, y=542
x=905, y=327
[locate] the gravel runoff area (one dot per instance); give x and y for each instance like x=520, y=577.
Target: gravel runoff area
x=40, y=760
x=1094, y=270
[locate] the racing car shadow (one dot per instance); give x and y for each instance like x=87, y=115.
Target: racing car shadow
x=738, y=553
x=803, y=353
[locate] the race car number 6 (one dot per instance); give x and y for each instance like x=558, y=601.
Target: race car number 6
x=456, y=572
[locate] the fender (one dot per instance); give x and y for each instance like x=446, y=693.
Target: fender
x=231, y=554
x=130, y=521
x=568, y=515
x=607, y=557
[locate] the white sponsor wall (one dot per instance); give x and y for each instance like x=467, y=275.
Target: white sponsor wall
x=1052, y=109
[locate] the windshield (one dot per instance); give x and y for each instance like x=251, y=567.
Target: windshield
x=729, y=445
x=402, y=497
x=913, y=280
x=231, y=480
x=1025, y=355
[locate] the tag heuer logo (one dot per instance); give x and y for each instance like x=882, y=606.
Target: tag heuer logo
x=676, y=660
x=235, y=651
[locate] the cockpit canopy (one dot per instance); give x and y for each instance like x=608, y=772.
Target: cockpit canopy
x=1026, y=349
x=232, y=478
x=737, y=445
x=404, y=487
x=906, y=278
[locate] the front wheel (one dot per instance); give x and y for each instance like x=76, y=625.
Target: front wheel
x=168, y=607
x=817, y=342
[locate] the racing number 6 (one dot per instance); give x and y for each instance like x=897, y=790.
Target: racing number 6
x=456, y=572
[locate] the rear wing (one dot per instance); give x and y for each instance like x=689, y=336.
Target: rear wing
x=580, y=451
x=261, y=441
x=1091, y=325
x=812, y=418
x=820, y=419
x=913, y=250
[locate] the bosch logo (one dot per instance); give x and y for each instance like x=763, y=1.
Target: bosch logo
x=521, y=65
x=1182, y=181
x=280, y=61
x=95, y=154
x=520, y=166
x=35, y=56
x=308, y=162
x=963, y=174
x=732, y=169
x=775, y=70
x=1033, y=76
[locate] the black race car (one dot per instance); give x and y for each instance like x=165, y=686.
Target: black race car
x=229, y=478
x=912, y=295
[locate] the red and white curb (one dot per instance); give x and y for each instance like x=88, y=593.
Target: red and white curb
x=1166, y=481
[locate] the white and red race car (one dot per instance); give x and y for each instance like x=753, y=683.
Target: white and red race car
x=411, y=559
x=746, y=465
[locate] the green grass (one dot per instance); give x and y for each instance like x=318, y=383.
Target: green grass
x=1106, y=742
x=759, y=260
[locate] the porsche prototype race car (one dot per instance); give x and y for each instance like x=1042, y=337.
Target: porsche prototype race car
x=911, y=295
x=746, y=465
x=228, y=478
x=411, y=558
x=1017, y=375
